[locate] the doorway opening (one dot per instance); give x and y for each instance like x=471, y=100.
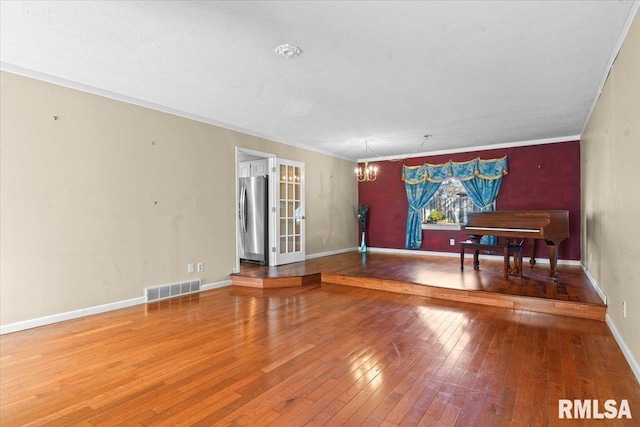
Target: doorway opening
x=283, y=223
x=254, y=196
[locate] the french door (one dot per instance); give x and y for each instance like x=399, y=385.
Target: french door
x=289, y=209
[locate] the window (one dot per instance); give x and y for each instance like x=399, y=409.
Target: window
x=449, y=206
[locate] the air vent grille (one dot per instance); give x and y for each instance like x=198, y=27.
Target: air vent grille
x=161, y=292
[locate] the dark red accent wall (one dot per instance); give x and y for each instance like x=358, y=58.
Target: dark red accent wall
x=543, y=176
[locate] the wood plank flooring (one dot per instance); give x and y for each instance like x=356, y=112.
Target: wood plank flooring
x=440, y=277
x=314, y=355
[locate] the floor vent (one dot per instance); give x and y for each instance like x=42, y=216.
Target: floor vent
x=173, y=290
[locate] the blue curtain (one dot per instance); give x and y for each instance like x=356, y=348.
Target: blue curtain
x=421, y=183
x=480, y=178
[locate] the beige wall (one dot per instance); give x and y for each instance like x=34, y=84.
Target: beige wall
x=610, y=151
x=112, y=198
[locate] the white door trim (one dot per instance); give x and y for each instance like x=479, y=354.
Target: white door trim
x=271, y=160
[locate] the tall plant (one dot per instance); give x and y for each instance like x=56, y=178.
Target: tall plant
x=362, y=216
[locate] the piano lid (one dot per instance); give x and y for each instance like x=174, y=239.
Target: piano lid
x=544, y=224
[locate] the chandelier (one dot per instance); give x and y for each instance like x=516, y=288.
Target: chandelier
x=368, y=173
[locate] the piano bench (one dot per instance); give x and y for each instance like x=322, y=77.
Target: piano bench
x=506, y=249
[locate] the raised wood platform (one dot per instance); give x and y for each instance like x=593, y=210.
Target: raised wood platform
x=276, y=282
x=439, y=277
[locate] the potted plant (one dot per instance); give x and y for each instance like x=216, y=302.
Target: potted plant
x=435, y=216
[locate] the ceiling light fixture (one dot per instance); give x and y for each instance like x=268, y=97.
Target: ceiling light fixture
x=288, y=51
x=368, y=173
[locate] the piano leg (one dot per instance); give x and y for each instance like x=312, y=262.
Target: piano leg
x=553, y=258
x=534, y=247
x=507, y=255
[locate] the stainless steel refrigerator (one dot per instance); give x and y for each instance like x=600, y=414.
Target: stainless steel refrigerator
x=253, y=215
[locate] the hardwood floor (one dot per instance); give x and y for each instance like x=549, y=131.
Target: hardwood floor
x=440, y=277
x=314, y=355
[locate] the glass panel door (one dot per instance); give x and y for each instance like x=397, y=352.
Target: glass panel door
x=290, y=211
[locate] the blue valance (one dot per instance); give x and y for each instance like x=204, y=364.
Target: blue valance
x=486, y=169
x=480, y=178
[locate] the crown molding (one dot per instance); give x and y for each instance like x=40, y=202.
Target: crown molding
x=560, y=139
x=15, y=69
x=614, y=54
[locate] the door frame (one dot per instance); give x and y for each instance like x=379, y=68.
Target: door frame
x=271, y=160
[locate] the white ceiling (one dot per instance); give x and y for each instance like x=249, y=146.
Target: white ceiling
x=471, y=74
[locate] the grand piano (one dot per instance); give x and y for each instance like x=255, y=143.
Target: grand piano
x=552, y=226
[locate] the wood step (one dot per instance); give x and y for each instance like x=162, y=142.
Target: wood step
x=275, y=282
x=539, y=305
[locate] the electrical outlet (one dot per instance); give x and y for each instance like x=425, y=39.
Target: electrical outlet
x=624, y=309
x=190, y=268
x=200, y=266
x=452, y=242
x=324, y=241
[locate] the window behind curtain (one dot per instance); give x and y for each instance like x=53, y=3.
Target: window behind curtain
x=450, y=200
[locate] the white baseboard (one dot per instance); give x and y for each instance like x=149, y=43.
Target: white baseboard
x=215, y=285
x=329, y=253
x=594, y=284
x=75, y=314
x=69, y=315
x=612, y=327
x=457, y=255
x=412, y=252
x=625, y=350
